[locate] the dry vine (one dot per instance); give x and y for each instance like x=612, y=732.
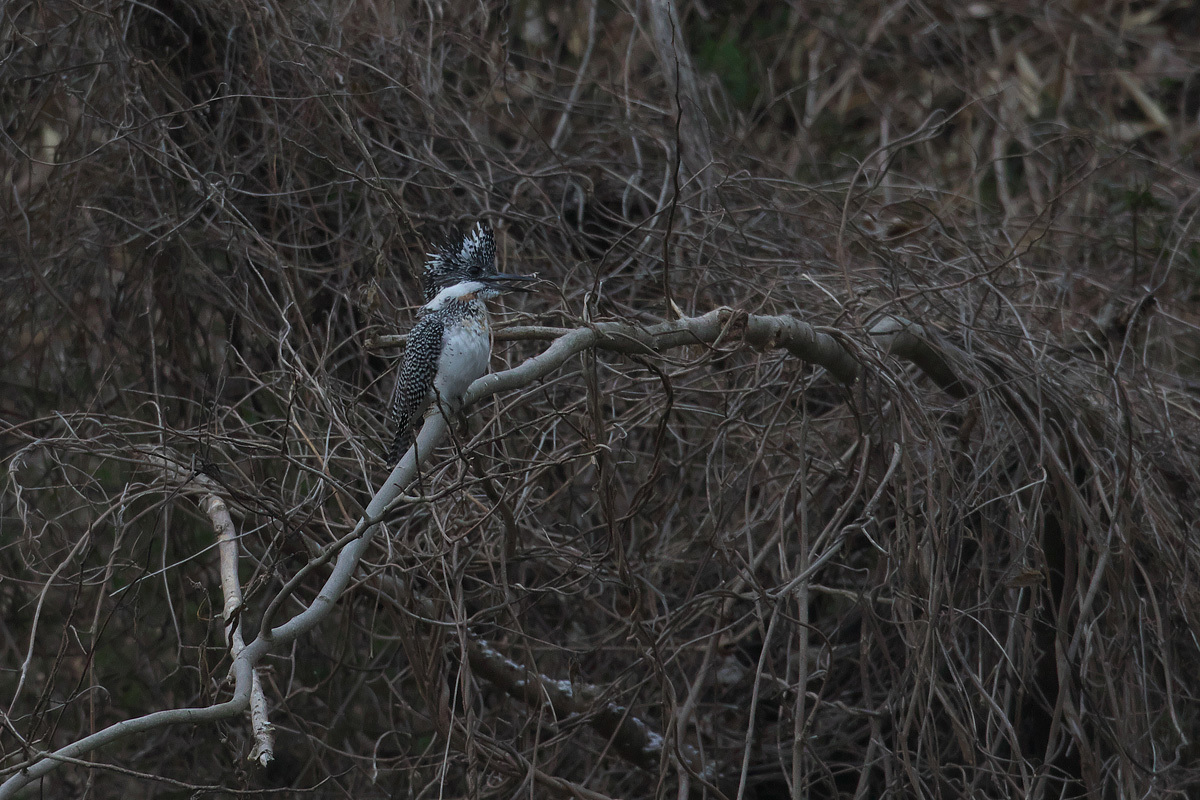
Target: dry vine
x=851, y=450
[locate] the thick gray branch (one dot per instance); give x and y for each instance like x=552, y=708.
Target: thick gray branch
x=244, y=662
x=894, y=335
x=231, y=589
x=921, y=346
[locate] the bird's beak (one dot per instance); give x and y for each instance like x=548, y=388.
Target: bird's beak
x=505, y=282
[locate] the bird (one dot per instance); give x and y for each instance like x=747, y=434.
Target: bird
x=450, y=345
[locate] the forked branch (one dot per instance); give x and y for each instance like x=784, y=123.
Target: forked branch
x=634, y=739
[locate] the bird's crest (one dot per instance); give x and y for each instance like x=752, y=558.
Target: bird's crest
x=470, y=258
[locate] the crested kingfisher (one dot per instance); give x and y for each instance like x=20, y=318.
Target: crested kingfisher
x=451, y=342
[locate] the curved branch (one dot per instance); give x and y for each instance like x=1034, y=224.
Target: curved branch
x=919, y=345
x=432, y=432
x=895, y=335
x=231, y=588
x=805, y=341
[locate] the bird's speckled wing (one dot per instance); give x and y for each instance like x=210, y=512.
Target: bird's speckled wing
x=411, y=396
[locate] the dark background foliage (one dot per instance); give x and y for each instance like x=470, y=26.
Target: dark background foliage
x=212, y=210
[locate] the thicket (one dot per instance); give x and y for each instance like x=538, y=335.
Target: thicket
x=874, y=472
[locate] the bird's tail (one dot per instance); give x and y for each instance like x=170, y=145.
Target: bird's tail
x=399, y=447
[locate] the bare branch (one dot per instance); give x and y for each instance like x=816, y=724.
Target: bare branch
x=231, y=588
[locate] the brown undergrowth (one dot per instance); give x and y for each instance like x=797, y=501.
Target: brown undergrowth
x=212, y=209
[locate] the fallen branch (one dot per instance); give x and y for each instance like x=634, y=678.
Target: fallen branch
x=632, y=737
x=231, y=616
x=894, y=335
x=245, y=661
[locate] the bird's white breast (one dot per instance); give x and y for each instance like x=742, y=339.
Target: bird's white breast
x=466, y=350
